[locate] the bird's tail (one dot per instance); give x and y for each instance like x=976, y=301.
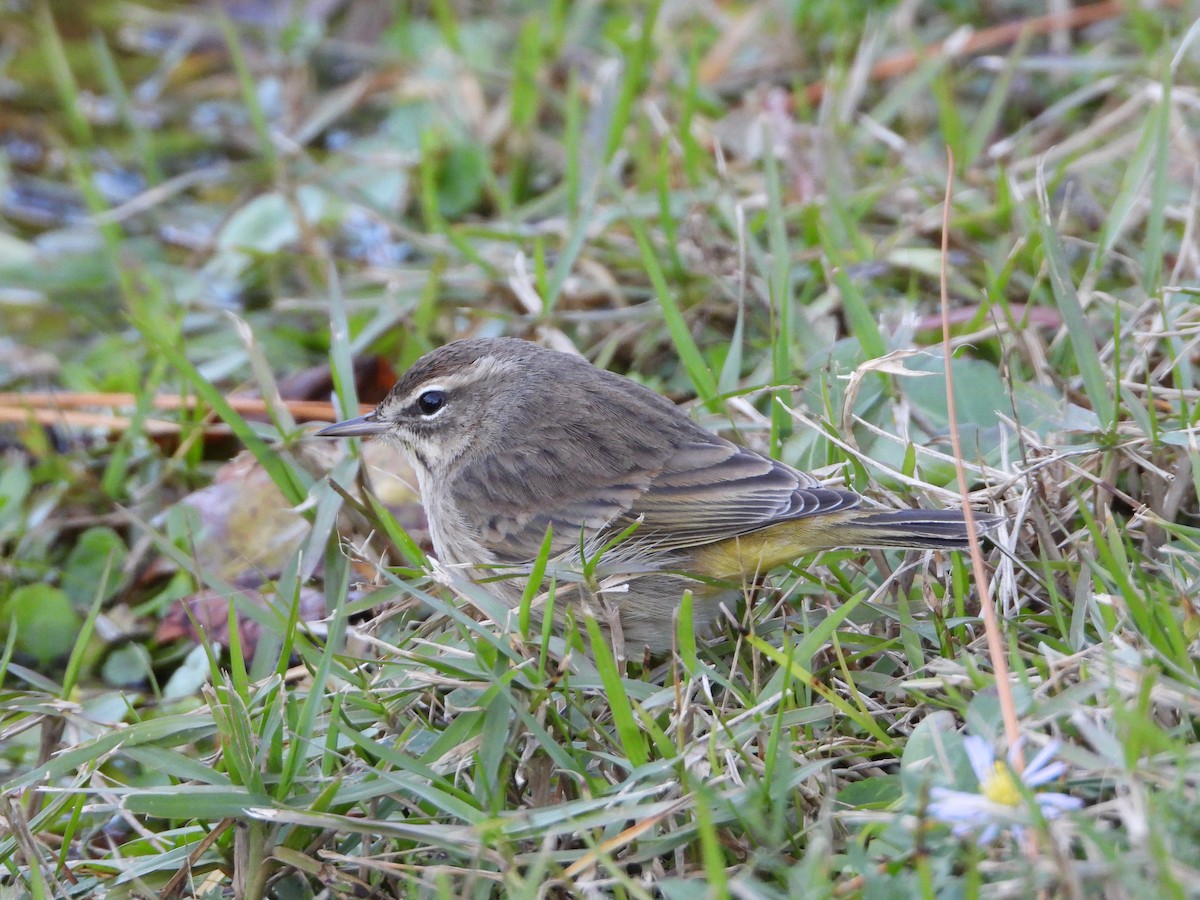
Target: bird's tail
x=943, y=529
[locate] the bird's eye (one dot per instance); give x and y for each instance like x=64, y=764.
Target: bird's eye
x=431, y=401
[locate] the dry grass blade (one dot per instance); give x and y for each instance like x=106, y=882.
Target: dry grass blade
x=996, y=647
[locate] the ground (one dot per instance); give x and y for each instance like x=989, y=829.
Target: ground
x=229, y=668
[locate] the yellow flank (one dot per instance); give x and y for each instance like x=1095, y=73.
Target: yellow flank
x=760, y=551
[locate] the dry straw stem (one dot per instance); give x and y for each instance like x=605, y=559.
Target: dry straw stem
x=67, y=409
x=609, y=847
x=991, y=624
x=971, y=43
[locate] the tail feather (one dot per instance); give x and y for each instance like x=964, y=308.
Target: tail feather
x=943, y=529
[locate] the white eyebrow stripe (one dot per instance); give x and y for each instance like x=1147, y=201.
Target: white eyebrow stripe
x=487, y=366
x=484, y=367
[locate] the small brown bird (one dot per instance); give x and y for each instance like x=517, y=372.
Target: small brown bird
x=510, y=440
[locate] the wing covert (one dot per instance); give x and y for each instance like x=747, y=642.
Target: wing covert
x=715, y=490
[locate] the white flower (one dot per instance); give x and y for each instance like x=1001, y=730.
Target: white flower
x=1000, y=802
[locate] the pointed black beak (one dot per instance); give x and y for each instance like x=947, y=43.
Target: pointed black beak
x=362, y=426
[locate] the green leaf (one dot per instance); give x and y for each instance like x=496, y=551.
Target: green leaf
x=93, y=565
x=15, y=484
x=193, y=801
x=934, y=755
x=633, y=742
x=703, y=381
x=1077, y=327
x=460, y=180
x=126, y=666
x=45, y=620
x=878, y=792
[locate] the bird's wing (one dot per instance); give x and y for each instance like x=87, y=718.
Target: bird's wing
x=712, y=490
x=507, y=500
x=695, y=490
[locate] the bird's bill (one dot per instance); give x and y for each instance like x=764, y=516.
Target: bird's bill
x=361, y=426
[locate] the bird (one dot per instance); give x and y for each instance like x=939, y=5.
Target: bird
x=516, y=446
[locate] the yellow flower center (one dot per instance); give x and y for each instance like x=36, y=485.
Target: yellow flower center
x=1000, y=786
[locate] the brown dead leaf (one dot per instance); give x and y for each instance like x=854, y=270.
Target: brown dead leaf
x=247, y=532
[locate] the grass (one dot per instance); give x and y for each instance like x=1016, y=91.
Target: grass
x=740, y=206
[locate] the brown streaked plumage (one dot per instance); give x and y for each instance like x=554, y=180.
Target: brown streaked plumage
x=509, y=439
